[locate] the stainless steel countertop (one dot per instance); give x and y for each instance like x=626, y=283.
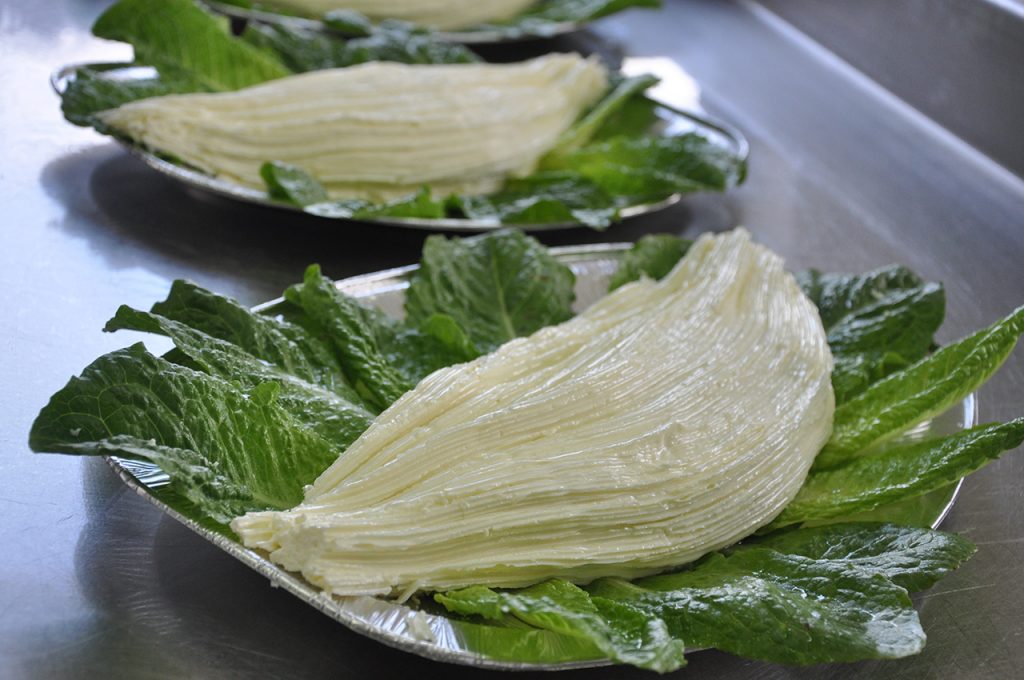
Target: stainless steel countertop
x=94, y=582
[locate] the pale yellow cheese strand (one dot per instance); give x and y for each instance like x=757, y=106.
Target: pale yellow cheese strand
x=378, y=130
x=668, y=420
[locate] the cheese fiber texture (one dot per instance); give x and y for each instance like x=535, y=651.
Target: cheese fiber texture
x=378, y=130
x=442, y=14
x=668, y=420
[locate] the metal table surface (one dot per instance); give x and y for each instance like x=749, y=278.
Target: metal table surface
x=94, y=582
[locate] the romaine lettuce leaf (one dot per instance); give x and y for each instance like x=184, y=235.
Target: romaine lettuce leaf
x=416, y=351
x=836, y=593
x=913, y=558
x=650, y=168
x=291, y=184
x=193, y=50
x=593, y=121
x=350, y=329
x=899, y=473
x=383, y=358
x=763, y=604
x=305, y=50
x=877, y=322
x=421, y=205
x=921, y=391
x=183, y=36
x=236, y=449
x=544, y=197
x=622, y=634
x=519, y=643
x=497, y=287
x=293, y=348
x=653, y=255
x=545, y=18
x=339, y=420
x=541, y=20
x=91, y=90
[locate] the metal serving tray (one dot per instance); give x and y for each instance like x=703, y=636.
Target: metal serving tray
x=427, y=634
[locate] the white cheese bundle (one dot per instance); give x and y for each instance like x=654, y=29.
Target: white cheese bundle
x=378, y=130
x=669, y=419
x=443, y=14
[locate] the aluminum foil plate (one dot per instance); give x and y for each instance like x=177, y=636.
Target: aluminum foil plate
x=408, y=628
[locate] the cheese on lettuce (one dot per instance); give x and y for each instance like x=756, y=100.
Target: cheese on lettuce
x=378, y=130
x=442, y=14
x=668, y=420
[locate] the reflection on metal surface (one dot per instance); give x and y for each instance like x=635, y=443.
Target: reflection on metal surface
x=676, y=87
x=671, y=121
x=400, y=625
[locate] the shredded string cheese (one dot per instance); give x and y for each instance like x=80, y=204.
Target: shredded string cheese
x=668, y=420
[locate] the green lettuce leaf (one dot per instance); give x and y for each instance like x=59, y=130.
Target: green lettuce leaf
x=417, y=351
x=913, y=558
x=193, y=478
x=853, y=373
x=877, y=322
x=587, y=127
x=541, y=20
x=807, y=596
x=307, y=50
x=185, y=37
x=917, y=511
x=522, y=644
x=293, y=185
x=636, y=116
x=421, y=205
x=228, y=449
x=350, y=330
x=290, y=184
x=545, y=18
x=900, y=472
x=496, y=287
x=585, y=10
x=653, y=255
x=915, y=394
x=294, y=349
x=651, y=168
x=775, y=603
x=338, y=420
x=93, y=89
x=621, y=633
x=382, y=357
x=193, y=50
x=544, y=197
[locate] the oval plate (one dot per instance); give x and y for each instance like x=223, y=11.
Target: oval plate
x=671, y=122
x=469, y=37
x=437, y=637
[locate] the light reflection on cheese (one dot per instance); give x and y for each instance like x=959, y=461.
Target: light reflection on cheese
x=443, y=14
x=377, y=130
x=669, y=419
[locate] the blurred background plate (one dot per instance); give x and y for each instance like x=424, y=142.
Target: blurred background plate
x=481, y=36
x=675, y=86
